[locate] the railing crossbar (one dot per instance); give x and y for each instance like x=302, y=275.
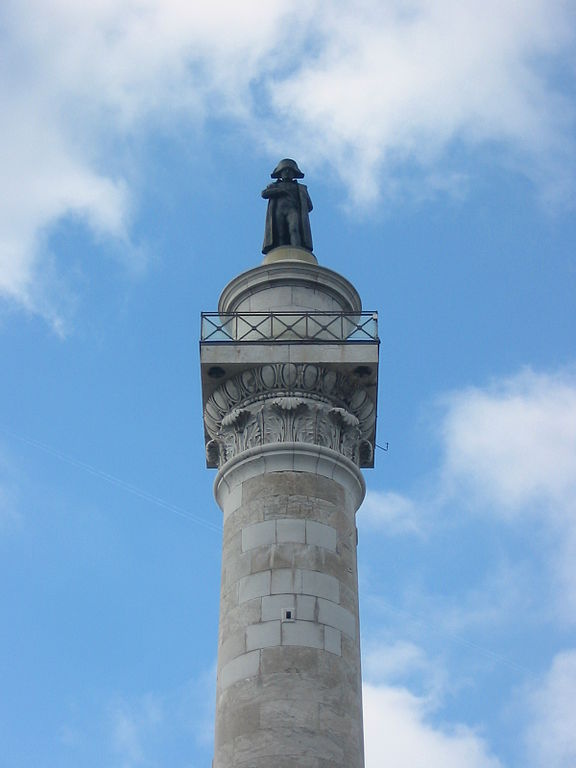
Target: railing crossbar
x=292, y=326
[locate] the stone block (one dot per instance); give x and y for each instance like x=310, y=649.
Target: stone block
x=264, y=635
x=279, y=762
x=229, y=596
x=256, y=585
x=235, y=568
x=305, y=463
x=248, y=514
x=282, y=667
x=336, y=616
x=307, y=558
x=305, y=608
x=284, y=555
x=237, y=721
x=255, y=488
x=258, y=535
x=231, y=538
x=333, y=640
x=299, y=506
x=231, y=501
x=274, y=605
x=320, y=585
x=289, y=713
x=349, y=597
x=320, y=535
x=281, y=460
x=303, y=633
x=291, y=530
x=298, y=743
x=235, y=618
x=239, y=668
x=233, y=646
x=286, y=581
x=262, y=558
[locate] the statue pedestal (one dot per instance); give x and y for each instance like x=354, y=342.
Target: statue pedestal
x=289, y=253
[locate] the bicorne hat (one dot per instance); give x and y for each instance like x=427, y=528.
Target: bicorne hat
x=287, y=163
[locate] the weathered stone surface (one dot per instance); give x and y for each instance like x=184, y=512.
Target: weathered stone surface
x=335, y=616
x=285, y=713
x=258, y=535
x=321, y=535
x=297, y=488
x=274, y=606
x=240, y=668
x=291, y=530
x=289, y=689
x=263, y=635
x=256, y=585
x=333, y=640
x=304, y=634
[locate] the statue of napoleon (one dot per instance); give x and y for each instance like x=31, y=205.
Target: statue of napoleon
x=289, y=204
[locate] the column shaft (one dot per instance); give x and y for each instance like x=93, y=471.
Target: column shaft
x=289, y=683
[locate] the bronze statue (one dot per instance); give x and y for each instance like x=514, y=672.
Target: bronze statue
x=289, y=204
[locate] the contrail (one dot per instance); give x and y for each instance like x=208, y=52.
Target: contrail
x=489, y=654
x=133, y=489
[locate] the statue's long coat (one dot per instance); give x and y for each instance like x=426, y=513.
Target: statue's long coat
x=271, y=239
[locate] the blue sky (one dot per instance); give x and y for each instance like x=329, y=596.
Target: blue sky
x=438, y=144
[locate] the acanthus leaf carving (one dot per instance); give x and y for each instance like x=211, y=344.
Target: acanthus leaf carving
x=255, y=408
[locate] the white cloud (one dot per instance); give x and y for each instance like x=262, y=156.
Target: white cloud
x=551, y=733
x=402, y=728
x=390, y=512
x=510, y=451
x=392, y=662
x=508, y=457
x=514, y=443
x=396, y=82
x=80, y=77
x=404, y=663
x=359, y=87
x=399, y=732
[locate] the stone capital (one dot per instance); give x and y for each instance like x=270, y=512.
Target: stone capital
x=289, y=403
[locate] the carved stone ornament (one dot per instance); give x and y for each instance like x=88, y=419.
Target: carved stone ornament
x=289, y=402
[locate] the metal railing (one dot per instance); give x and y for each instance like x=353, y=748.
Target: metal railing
x=306, y=327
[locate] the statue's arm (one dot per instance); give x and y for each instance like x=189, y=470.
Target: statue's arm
x=272, y=190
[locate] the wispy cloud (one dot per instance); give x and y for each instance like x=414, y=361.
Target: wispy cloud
x=391, y=513
x=157, y=727
x=550, y=734
x=10, y=514
x=133, y=725
x=363, y=88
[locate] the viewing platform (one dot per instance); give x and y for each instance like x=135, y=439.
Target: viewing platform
x=303, y=327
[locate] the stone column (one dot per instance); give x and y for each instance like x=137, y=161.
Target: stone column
x=289, y=683
x=289, y=434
